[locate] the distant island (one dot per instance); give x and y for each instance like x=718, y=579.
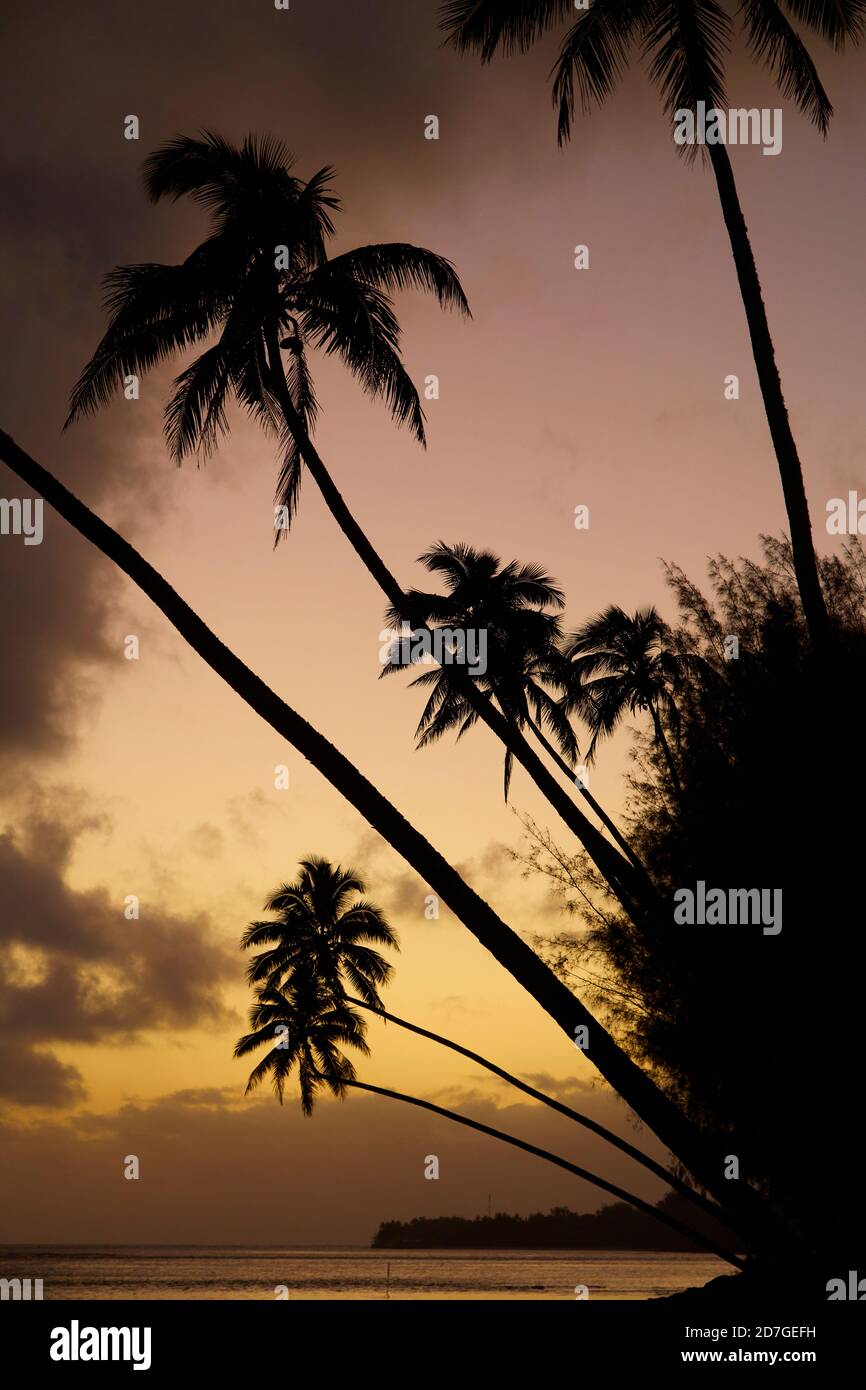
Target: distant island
x=614, y=1227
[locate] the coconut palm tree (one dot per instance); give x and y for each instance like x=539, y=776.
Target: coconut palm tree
x=516, y=607
x=623, y=664
x=263, y=272
x=684, y=45
x=305, y=1026
x=318, y=935
x=701, y=1154
x=323, y=928
x=508, y=606
x=262, y=284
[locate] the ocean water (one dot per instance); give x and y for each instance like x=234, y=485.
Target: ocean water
x=254, y=1272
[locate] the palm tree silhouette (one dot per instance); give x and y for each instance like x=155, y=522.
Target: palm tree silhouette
x=511, y=604
x=262, y=280
x=304, y=1017
x=232, y=283
x=700, y=1153
x=684, y=44
x=618, y=664
x=320, y=930
x=318, y=936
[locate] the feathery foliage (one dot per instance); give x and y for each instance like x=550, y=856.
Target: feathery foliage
x=239, y=291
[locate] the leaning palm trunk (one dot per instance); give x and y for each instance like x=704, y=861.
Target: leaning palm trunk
x=702, y=1156
x=634, y=894
x=587, y=796
x=593, y=1126
x=330, y=492
x=666, y=753
x=787, y=457
x=618, y=1192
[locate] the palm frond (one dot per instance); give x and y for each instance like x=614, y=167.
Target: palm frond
x=345, y=316
x=300, y=386
x=155, y=311
x=685, y=50
x=396, y=265
x=776, y=43
x=513, y=26
x=594, y=57
x=837, y=21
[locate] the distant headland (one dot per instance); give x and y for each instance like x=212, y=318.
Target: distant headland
x=614, y=1227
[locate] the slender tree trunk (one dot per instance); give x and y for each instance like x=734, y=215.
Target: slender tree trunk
x=790, y=469
x=656, y=1169
x=588, y=797
x=633, y=894
x=330, y=492
x=621, y=1195
x=701, y=1155
x=665, y=747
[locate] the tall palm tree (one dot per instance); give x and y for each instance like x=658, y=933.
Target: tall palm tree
x=304, y=1027
x=263, y=285
x=323, y=928
x=517, y=608
x=701, y=1154
x=264, y=271
x=623, y=664
x=685, y=44
x=317, y=937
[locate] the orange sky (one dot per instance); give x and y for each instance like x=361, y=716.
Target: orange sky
x=602, y=387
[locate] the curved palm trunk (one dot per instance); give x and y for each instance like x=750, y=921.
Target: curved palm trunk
x=701, y=1155
x=763, y=352
x=618, y=1192
x=633, y=894
x=622, y=1144
x=587, y=796
x=330, y=492
x=666, y=751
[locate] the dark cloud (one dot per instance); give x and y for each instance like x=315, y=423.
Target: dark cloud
x=220, y=1167
x=73, y=968
x=31, y=1077
x=53, y=622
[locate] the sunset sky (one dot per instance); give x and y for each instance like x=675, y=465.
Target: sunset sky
x=601, y=387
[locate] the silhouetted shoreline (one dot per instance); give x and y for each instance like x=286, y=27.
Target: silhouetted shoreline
x=614, y=1227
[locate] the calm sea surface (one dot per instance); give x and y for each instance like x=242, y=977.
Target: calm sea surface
x=254, y=1272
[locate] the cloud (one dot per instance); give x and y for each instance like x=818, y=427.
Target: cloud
x=559, y=1088
x=73, y=968
x=31, y=1077
x=206, y=840
x=52, y=637
x=246, y=813
x=218, y=1167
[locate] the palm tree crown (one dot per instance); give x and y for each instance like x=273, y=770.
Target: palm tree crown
x=261, y=281
x=623, y=664
x=684, y=44
x=322, y=932
x=511, y=604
